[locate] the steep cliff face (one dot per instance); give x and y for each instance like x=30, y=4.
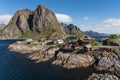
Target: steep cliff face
x=72, y=30
x=31, y=24
x=45, y=22
x=17, y=25
x=43, y=17
x=2, y=26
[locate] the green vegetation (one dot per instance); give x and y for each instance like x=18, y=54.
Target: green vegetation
x=113, y=40
x=46, y=32
x=57, y=46
x=114, y=36
x=94, y=43
x=29, y=34
x=52, y=31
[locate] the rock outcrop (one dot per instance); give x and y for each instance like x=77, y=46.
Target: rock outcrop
x=2, y=26
x=114, y=42
x=105, y=76
x=24, y=48
x=41, y=56
x=35, y=50
x=40, y=52
x=30, y=24
x=107, y=61
x=69, y=61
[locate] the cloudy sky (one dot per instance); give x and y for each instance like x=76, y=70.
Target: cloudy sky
x=97, y=15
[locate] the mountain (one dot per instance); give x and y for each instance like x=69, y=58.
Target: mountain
x=72, y=30
x=92, y=33
x=97, y=35
x=2, y=26
x=41, y=22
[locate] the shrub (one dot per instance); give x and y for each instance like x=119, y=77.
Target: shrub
x=114, y=36
x=106, y=42
x=94, y=43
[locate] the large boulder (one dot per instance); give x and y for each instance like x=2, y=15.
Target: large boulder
x=106, y=61
x=69, y=61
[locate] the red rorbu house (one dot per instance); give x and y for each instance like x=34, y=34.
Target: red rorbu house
x=87, y=48
x=107, y=49
x=71, y=47
x=79, y=41
x=67, y=47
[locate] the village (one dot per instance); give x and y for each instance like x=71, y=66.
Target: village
x=72, y=43
x=70, y=53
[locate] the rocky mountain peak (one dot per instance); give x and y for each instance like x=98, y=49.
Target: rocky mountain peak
x=41, y=8
x=43, y=17
x=28, y=24
x=72, y=30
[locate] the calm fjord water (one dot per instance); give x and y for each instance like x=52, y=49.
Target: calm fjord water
x=14, y=66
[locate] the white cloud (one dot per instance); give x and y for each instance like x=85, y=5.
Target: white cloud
x=5, y=18
x=63, y=17
x=111, y=25
x=112, y=22
x=83, y=25
x=86, y=18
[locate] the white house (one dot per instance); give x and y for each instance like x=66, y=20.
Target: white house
x=59, y=41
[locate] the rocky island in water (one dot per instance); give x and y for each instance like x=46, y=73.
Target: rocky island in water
x=71, y=57
x=67, y=45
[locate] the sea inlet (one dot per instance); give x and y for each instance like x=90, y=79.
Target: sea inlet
x=15, y=66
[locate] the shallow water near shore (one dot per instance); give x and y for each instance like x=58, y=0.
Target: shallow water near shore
x=15, y=66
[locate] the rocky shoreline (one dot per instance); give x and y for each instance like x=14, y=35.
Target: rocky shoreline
x=35, y=50
x=40, y=52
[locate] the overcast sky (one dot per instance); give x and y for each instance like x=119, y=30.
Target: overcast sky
x=97, y=15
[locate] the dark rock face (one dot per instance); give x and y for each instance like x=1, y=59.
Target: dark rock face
x=72, y=30
x=42, y=21
x=22, y=24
